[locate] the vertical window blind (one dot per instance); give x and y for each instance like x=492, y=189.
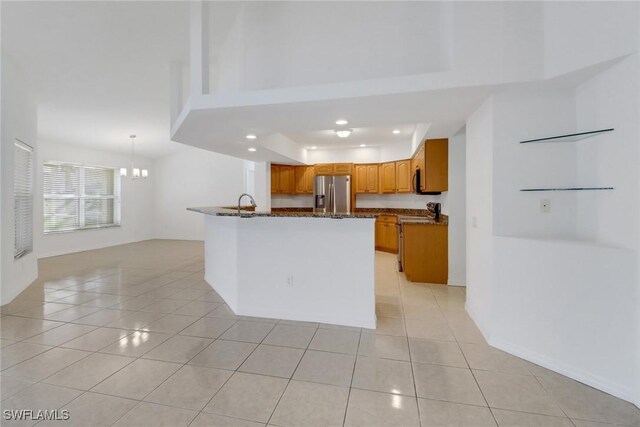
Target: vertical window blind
x=78, y=197
x=23, y=199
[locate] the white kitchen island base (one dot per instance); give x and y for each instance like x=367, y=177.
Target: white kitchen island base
x=294, y=268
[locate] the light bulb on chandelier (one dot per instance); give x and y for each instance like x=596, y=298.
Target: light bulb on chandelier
x=135, y=172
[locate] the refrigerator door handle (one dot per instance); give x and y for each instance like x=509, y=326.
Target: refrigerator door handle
x=331, y=198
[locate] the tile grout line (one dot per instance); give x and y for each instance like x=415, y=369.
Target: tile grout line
x=413, y=376
x=353, y=374
x=291, y=378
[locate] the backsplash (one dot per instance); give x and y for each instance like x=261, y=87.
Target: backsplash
x=291, y=201
x=400, y=201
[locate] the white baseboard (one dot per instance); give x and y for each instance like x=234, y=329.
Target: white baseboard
x=567, y=370
x=303, y=317
x=561, y=368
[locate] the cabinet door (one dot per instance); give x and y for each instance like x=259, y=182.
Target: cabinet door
x=403, y=176
x=343, y=168
x=360, y=172
x=309, y=175
x=275, y=179
x=324, y=169
x=388, y=178
x=391, y=236
x=372, y=178
x=379, y=235
x=425, y=251
x=436, y=165
x=301, y=177
x=287, y=179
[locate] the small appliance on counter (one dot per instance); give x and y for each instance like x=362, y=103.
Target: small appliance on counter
x=434, y=210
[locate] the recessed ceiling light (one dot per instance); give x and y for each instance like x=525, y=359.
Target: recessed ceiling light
x=363, y=145
x=251, y=136
x=343, y=133
x=396, y=131
x=251, y=149
x=313, y=147
x=341, y=122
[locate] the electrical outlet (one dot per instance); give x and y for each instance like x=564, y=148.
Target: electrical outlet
x=474, y=221
x=545, y=205
x=290, y=281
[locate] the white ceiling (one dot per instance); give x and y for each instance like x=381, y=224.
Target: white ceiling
x=370, y=136
x=99, y=69
x=100, y=72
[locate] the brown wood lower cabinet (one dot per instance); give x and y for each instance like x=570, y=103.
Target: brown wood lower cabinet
x=425, y=252
x=387, y=233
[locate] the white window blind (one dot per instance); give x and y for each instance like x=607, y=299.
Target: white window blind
x=78, y=197
x=23, y=199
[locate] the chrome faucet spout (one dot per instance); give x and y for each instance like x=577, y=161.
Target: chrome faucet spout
x=253, y=202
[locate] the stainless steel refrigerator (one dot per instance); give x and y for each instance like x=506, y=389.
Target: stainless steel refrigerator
x=332, y=194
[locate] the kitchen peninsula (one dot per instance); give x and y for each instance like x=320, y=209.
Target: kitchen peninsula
x=293, y=265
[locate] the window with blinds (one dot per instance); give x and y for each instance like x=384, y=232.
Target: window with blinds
x=23, y=199
x=79, y=197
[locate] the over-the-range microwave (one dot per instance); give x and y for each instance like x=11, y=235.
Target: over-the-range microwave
x=415, y=184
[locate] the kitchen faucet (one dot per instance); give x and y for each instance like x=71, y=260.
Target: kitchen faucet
x=253, y=202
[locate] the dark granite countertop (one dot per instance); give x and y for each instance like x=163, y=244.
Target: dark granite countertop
x=223, y=211
x=417, y=216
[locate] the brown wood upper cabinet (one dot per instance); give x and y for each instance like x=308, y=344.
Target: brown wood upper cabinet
x=433, y=161
x=334, y=169
x=304, y=179
x=388, y=177
x=282, y=179
x=395, y=177
x=403, y=176
x=366, y=178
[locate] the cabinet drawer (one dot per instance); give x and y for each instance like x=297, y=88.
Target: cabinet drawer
x=388, y=218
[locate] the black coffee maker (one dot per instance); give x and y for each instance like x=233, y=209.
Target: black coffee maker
x=434, y=210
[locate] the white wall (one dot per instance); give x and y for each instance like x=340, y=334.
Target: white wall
x=611, y=100
x=600, y=30
x=408, y=201
x=523, y=114
x=287, y=43
x=291, y=201
x=19, y=121
x=456, y=209
x=189, y=178
x=136, y=207
x=351, y=155
x=479, y=230
x=268, y=267
x=569, y=307
x=562, y=289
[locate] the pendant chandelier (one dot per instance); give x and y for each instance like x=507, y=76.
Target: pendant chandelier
x=135, y=172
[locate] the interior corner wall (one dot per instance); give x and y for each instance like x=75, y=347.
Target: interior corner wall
x=599, y=31
x=456, y=200
x=479, y=214
x=523, y=114
x=19, y=121
x=136, y=202
x=189, y=178
x=565, y=294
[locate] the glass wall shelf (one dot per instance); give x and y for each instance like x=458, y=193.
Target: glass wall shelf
x=569, y=189
x=569, y=137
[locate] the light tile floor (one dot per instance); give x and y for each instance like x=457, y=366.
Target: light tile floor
x=133, y=336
